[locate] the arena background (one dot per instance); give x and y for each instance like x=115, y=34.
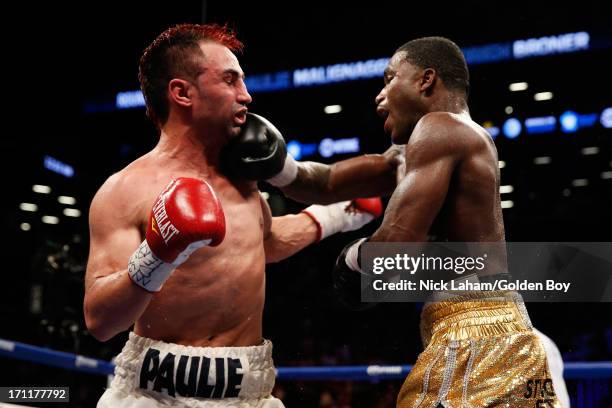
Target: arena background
x=66, y=66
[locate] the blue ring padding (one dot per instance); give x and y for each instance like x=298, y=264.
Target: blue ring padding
x=362, y=372
x=40, y=355
x=55, y=358
x=587, y=369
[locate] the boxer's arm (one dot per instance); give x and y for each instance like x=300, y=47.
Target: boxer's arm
x=363, y=176
x=432, y=154
x=286, y=235
x=112, y=302
x=259, y=153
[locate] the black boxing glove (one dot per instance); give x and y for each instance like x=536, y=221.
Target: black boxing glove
x=259, y=153
x=347, y=275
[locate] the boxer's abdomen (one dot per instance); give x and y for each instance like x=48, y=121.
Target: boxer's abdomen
x=216, y=298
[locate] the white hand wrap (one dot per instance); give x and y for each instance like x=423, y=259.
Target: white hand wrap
x=287, y=174
x=338, y=217
x=149, y=272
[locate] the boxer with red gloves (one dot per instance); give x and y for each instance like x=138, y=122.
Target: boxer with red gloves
x=179, y=239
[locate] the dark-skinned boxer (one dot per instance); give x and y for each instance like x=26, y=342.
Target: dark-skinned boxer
x=480, y=348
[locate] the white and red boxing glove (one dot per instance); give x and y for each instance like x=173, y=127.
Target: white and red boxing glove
x=344, y=216
x=186, y=216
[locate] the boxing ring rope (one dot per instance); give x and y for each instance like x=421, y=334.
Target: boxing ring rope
x=75, y=362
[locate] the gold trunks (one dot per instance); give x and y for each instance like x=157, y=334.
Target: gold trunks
x=480, y=351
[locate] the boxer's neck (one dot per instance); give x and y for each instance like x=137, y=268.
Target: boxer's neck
x=445, y=101
x=184, y=144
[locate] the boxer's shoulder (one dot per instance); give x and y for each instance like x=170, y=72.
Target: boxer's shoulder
x=122, y=183
x=128, y=192
x=444, y=124
x=445, y=131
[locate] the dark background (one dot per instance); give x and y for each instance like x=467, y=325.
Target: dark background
x=57, y=59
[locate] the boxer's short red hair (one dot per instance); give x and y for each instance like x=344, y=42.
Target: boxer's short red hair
x=171, y=55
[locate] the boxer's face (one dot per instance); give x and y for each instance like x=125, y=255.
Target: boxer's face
x=222, y=97
x=400, y=102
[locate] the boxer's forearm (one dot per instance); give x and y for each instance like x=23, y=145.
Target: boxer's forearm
x=112, y=305
x=288, y=235
x=363, y=176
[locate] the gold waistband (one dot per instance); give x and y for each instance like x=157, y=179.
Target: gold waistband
x=472, y=315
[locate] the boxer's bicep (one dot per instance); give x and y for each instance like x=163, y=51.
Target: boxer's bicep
x=430, y=162
x=414, y=205
x=114, y=236
x=112, y=303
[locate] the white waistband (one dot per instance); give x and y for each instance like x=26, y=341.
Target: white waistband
x=170, y=370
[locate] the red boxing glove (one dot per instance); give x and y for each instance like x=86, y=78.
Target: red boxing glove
x=186, y=216
x=372, y=206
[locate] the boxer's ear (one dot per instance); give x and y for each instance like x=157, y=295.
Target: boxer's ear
x=428, y=80
x=178, y=92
